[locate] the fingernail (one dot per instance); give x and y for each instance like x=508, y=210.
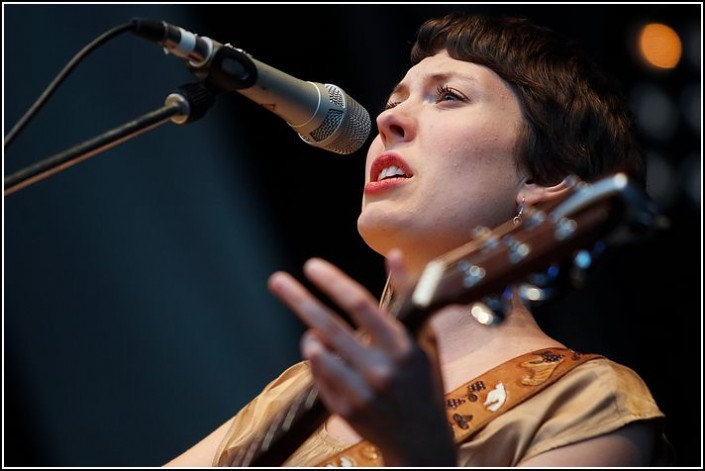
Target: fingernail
x=276, y=280
x=314, y=265
x=310, y=344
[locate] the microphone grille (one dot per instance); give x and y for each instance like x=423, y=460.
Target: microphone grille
x=330, y=123
x=346, y=125
x=335, y=95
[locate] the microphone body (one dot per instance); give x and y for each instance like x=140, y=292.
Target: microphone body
x=322, y=114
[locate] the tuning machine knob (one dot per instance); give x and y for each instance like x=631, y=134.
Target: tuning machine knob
x=492, y=309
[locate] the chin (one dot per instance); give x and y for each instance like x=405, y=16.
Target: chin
x=379, y=237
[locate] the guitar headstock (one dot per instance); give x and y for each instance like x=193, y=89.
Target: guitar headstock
x=590, y=213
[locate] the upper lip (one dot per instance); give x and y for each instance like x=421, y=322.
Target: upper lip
x=387, y=160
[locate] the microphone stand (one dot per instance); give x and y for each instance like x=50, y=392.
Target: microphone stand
x=187, y=104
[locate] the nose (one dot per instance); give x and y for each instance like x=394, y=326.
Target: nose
x=396, y=124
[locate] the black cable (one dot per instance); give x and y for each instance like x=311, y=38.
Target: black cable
x=61, y=77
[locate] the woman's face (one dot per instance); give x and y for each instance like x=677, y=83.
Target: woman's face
x=444, y=161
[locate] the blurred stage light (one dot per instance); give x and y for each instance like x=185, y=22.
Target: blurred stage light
x=660, y=46
x=656, y=113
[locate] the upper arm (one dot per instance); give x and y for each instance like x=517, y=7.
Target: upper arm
x=631, y=445
x=203, y=452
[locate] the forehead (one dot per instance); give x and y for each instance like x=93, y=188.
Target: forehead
x=441, y=67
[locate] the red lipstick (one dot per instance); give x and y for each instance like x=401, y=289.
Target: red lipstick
x=387, y=182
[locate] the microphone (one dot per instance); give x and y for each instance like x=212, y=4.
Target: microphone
x=322, y=114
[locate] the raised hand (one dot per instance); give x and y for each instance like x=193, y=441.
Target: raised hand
x=376, y=378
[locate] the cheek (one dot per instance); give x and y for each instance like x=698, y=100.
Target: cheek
x=489, y=147
x=478, y=170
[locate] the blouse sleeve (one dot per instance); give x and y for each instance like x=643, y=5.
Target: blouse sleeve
x=595, y=398
x=252, y=418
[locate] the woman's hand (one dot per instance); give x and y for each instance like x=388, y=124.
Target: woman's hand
x=377, y=379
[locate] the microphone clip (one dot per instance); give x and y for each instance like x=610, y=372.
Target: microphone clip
x=229, y=69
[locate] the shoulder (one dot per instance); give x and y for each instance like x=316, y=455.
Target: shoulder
x=596, y=398
x=603, y=371
x=295, y=374
x=280, y=390
x=601, y=393
x=615, y=385
x=593, y=399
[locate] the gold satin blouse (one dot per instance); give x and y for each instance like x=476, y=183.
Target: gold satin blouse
x=594, y=398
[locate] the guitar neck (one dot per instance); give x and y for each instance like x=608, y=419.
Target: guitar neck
x=286, y=432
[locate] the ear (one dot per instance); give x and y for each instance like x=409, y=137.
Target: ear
x=532, y=193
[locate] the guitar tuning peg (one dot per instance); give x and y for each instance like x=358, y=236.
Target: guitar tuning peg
x=486, y=315
x=533, y=217
x=540, y=286
x=545, y=278
x=582, y=261
x=486, y=236
x=492, y=309
x=534, y=294
x=480, y=231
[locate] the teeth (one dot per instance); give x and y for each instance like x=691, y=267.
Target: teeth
x=392, y=171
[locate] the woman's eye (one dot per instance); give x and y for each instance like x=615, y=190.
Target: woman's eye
x=444, y=93
x=390, y=105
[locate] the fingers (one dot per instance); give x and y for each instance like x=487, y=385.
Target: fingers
x=355, y=300
x=338, y=384
x=357, y=377
x=315, y=314
x=385, y=342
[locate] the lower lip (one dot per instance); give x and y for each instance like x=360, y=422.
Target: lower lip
x=373, y=188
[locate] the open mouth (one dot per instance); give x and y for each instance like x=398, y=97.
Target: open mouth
x=391, y=172
x=389, y=166
x=388, y=171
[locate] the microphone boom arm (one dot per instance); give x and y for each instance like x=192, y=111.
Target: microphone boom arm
x=187, y=104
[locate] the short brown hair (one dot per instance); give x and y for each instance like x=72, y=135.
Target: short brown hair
x=577, y=121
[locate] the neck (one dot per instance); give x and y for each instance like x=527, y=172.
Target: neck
x=467, y=348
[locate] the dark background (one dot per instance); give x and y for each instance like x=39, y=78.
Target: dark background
x=136, y=316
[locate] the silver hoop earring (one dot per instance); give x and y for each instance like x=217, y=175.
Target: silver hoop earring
x=520, y=211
